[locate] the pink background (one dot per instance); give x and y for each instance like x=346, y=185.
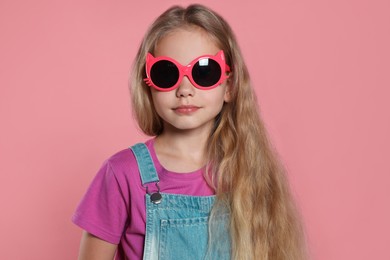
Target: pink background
x=321, y=70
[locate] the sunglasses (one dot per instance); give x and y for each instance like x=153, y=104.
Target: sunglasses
x=205, y=72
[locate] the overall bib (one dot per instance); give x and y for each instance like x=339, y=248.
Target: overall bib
x=177, y=226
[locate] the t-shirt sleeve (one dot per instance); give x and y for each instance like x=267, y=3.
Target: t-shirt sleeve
x=103, y=211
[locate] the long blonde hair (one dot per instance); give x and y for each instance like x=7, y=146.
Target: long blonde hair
x=244, y=170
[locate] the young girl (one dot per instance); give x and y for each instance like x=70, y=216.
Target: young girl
x=208, y=185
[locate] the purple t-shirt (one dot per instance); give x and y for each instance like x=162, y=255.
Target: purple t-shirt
x=113, y=207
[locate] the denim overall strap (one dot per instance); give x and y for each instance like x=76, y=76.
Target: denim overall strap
x=178, y=226
x=145, y=164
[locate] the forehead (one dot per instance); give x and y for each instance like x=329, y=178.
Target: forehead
x=186, y=44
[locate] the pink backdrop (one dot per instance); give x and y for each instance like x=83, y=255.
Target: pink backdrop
x=321, y=70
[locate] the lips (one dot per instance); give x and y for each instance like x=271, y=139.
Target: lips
x=186, y=109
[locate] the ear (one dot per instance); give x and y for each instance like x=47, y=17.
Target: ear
x=228, y=96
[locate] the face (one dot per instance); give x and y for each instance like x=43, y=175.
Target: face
x=188, y=108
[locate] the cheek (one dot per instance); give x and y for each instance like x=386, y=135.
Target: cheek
x=156, y=97
x=160, y=100
x=219, y=95
x=157, y=103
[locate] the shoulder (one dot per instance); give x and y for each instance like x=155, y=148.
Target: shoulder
x=121, y=158
x=123, y=162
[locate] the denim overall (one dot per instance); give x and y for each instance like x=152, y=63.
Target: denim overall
x=177, y=226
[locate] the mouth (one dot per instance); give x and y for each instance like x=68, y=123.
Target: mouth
x=186, y=109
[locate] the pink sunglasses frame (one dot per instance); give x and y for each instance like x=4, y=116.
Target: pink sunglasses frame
x=186, y=70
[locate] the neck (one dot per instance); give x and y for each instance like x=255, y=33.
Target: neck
x=182, y=151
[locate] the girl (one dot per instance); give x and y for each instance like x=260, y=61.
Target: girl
x=208, y=185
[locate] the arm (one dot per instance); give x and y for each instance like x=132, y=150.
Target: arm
x=93, y=248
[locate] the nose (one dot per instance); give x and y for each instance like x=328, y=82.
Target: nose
x=185, y=88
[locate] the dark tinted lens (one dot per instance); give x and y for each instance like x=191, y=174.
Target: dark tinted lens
x=206, y=72
x=164, y=74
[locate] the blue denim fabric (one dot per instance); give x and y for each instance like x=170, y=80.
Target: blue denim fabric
x=178, y=227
